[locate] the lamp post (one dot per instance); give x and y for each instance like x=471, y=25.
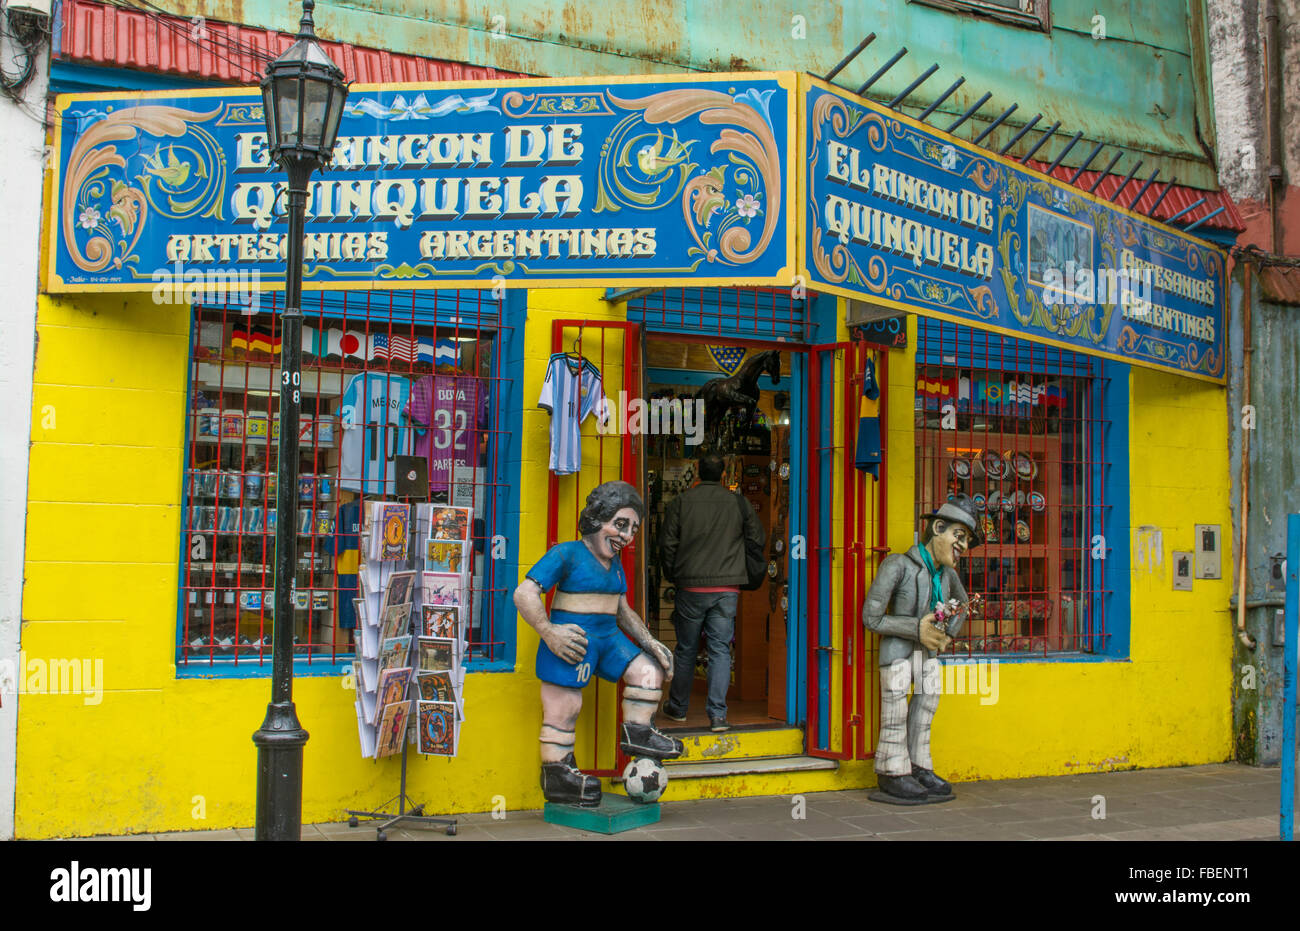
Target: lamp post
x=302, y=94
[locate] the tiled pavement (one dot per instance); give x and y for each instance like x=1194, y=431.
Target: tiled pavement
x=1218, y=802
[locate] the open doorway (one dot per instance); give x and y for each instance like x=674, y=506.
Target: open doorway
x=755, y=444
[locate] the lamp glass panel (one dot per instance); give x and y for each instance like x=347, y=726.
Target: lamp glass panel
x=268, y=109
x=316, y=93
x=286, y=92
x=335, y=116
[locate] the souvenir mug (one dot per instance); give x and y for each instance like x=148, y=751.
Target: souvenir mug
x=232, y=483
x=305, y=431
x=256, y=425
x=270, y=520
x=209, y=423
x=306, y=488
x=253, y=482
x=325, y=430
x=275, y=429
x=324, y=487
x=305, y=520
x=253, y=519
x=324, y=521
x=207, y=518
x=205, y=484
x=232, y=422
x=228, y=520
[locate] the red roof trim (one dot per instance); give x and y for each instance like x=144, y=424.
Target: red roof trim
x=1178, y=199
x=122, y=38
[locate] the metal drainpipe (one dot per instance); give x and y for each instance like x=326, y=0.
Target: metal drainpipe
x=1273, y=66
x=1248, y=350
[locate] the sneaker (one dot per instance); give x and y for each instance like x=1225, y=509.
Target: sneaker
x=718, y=725
x=672, y=717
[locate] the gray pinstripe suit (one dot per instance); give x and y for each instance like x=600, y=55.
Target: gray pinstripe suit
x=900, y=595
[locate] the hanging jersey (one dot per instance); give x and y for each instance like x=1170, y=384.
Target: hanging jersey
x=346, y=545
x=571, y=391
x=447, y=412
x=375, y=432
x=867, y=458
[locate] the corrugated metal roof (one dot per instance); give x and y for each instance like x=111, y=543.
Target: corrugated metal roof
x=1280, y=284
x=102, y=34
x=1178, y=199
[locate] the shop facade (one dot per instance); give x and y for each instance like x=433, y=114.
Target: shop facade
x=1094, y=458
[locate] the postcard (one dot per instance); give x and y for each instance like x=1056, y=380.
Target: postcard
x=392, y=685
x=394, y=654
x=392, y=531
x=447, y=555
x=437, y=731
x=449, y=523
x=396, y=621
x=392, y=728
x=436, y=654
x=366, y=732
x=440, y=621
x=435, y=686
x=442, y=588
x=399, y=589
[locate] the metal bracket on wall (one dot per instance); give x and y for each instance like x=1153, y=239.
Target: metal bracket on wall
x=897, y=100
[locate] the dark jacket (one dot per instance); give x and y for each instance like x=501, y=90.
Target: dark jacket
x=899, y=597
x=701, y=542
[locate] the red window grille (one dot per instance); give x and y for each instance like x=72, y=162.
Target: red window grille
x=374, y=343
x=1018, y=427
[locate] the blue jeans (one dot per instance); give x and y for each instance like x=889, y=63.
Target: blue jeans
x=714, y=613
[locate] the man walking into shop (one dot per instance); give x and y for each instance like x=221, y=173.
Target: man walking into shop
x=702, y=552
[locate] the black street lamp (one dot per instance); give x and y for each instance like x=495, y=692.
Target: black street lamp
x=303, y=94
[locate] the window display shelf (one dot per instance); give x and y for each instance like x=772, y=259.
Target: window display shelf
x=252, y=378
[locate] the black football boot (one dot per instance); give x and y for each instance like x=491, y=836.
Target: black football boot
x=565, y=784
x=644, y=740
x=930, y=782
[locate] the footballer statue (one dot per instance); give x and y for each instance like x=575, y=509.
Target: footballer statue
x=588, y=634
x=918, y=604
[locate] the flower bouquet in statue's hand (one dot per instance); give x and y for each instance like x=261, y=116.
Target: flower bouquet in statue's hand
x=952, y=607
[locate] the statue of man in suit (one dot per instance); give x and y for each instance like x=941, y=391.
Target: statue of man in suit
x=900, y=606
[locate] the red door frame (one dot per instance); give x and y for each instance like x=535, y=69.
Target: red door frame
x=629, y=471
x=857, y=692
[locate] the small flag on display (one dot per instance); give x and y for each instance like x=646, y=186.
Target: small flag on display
x=727, y=358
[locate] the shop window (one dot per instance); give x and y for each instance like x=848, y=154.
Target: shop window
x=1035, y=14
x=384, y=375
x=1017, y=426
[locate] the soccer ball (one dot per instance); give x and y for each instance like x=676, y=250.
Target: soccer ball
x=645, y=779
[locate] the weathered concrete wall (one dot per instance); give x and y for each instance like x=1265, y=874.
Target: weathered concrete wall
x=1274, y=493
x=1237, y=31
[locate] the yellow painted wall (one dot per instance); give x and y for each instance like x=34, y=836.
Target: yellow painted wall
x=103, y=533
x=1170, y=704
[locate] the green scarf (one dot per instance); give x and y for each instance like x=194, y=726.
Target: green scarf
x=936, y=581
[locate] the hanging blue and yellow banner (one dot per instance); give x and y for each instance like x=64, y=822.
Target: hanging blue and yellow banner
x=903, y=215
x=657, y=180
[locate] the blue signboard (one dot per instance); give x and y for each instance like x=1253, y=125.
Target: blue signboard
x=511, y=183
x=909, y=217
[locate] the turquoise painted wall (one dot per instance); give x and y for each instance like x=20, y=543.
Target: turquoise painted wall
x=1145, y=86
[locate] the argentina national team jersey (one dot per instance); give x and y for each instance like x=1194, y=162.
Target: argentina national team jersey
x=571, y=391
x=375, y=432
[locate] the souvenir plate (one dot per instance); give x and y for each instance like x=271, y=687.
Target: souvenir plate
x=994, y=465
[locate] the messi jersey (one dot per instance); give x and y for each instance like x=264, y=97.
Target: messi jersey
x=375, y=432
x=572, y=391
x=447, y=412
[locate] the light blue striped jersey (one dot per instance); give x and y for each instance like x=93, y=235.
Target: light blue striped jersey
x=571, y=391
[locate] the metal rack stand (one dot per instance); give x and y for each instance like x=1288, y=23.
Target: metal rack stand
x=415, y=815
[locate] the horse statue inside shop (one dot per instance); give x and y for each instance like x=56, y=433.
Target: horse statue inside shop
x=738, y=391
